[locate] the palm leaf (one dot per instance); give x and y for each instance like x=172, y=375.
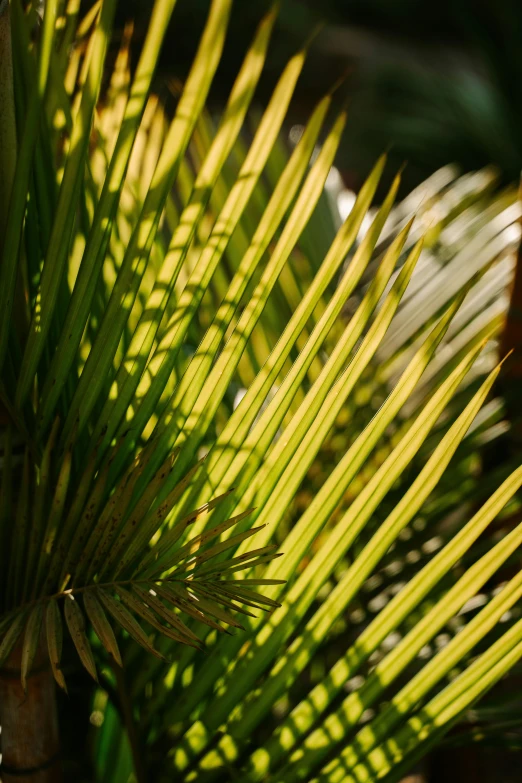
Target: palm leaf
x=166, y=264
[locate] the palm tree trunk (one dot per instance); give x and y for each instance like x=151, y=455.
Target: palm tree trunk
x=30, y=738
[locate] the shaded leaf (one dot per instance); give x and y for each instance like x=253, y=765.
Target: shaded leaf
x=148, y=597
x=31, y=642
x=54, y=631
x=76, y=625
x=124, y=618
x=180, y=598
x=11, y=636
x=101, y=625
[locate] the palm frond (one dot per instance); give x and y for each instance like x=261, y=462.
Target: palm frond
x=191, y=351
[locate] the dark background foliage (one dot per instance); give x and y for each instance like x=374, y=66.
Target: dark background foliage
x=434, y=82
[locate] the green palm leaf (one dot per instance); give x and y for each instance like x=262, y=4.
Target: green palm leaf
x=198, y=337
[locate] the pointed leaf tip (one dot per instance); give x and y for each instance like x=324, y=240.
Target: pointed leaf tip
x=54, y=632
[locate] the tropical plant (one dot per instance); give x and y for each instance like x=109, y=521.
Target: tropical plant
x=175, y=350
